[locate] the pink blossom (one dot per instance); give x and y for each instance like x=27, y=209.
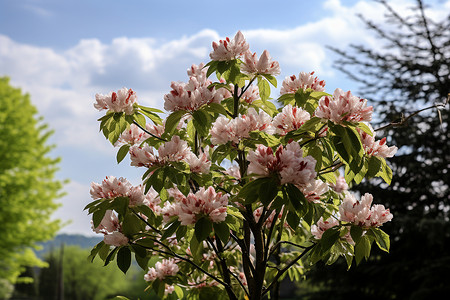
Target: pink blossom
x=290, y=118
x=288, y=162
x=314, y=190
x=113, y=187
x=234, y=171
x=162, y=270
x=142, y=156
x=199, y=164
x=343, y=106
x=205, y=202
x=361, y=213
x=225, y=130
x=229, y=49
x=174, y=150
x=122, y=101
x=304, y=81
x=251, y=94
x=133, y=135
x=340, y=186
x=321, y=226
x=115, y=239
x=264, y=65
x=153, y=201
x=376, y=148
x=110, y=188
x=109, y=223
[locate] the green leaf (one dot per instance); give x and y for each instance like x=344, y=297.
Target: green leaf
x=212, y=67
x=95, y=251
x=122, y=298
x=222, y=231
x=124, y=259
x=216, y=108
x=381, y=238
x=329, y=238
x=123, y=151
x=264, y=89
x=250, y=191
x=362, y=249
x=179, y=292
x=196, y=248
x=201, y=121
x=170, y=230
x=374, y=165
x=292, y=219
x=385, y=172
x=111, y=256
x=356, y=233
x=286, y=99
x=97, y=217
x=271, y=79
x=296, y=198
x=140, y=119
x=268, y=191
x=301, y=97
x=172, y=121
x=202, y=229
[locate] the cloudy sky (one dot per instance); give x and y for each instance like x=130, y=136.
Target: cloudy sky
x=64, y=52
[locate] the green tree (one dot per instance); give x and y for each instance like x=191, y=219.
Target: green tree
x=411, y=72
x=85, y=280
x=27, y=186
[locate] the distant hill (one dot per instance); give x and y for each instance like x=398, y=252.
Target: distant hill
x=68, y=240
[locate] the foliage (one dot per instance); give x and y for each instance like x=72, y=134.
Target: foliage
x=27, y=186
x=411, y=72
x=236, y=193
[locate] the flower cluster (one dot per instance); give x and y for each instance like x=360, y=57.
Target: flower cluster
x=360, y=212
x=304, y=81
x=194, y=94
x=376, y=148
x=162, y=270
x=288, y=162
x=113, y=187
x=172, y=151
x=229, y=49
x=122, y=101
x=290, y=118
x=226, y=130
x=110, y=227
x=204, y=203
x=343, y=106
x=264, y=65
x=322, y=225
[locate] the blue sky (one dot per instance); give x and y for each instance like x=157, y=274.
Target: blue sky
x=64, y=52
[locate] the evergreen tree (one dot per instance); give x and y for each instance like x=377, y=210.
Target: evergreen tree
x=411, y=72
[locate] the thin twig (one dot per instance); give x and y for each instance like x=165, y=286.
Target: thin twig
x=148, y=132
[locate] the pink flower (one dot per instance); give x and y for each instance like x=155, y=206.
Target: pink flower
x=361, y=213
x=110, y=188
x=115, y=239
x=288, y=162
x=113, y=187
x=122, y=101
x=194, y=94
x=340, y=186
x=109, y=223
x=229, y=49
x=153, y=201
x=321, y=226
x=344, y=107
x=251, y=94
x=234, y=171
x=290, y=118
x=304, y=81
x=174, y=150
x=264, y=65
x=162, y=270
x=133, y=135
x=225, y=130
x=376, y=148
x=205, y=202
x=199, y=164
x=142, y=156
x=314, y=190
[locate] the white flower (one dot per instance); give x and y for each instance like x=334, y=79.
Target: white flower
x=122, y=101
x=229, y=49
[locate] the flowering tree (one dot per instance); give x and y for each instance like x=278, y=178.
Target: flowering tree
x=236, y=193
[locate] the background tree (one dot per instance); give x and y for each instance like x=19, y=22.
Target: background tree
x=27, y=186
x=83, y=280
x=410, y=72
